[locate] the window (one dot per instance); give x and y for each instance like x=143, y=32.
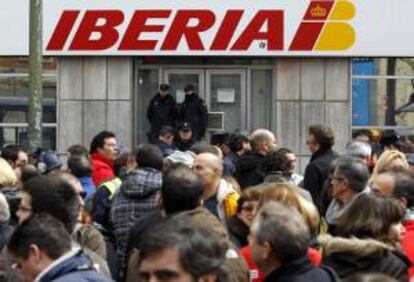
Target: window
x=14, y=96
x=383, y=96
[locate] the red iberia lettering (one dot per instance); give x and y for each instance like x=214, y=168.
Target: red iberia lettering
x=273, y=35
x=138, y=26
x=180, y=28
x=107, y=31
x=62, y=30
x=226, y=31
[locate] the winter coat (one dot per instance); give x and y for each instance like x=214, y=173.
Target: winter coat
x=75, y=266
x=6, y=230
x=87, y=185
x=102, y=168
x=136, y=197
x=351, y=255
x=249, y=169
x=316, y=172
x=301, y=270
x=13, y=196
x=194, y=111
x=162, y=111
x=257, y=276
x=87, y=236
x=229, y=164
x=407, y=241
x=238, y=231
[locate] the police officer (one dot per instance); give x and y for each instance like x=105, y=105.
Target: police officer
x=194, y=111
x=162, y=110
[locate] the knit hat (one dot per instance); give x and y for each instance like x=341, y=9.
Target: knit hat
x=49, y=161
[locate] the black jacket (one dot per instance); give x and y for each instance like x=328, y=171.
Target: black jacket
x=351, y=255
x=194, y=111
x=238, y=231
x=301, y=270
x=249, y=169
x=162, y=111
x=317, y=172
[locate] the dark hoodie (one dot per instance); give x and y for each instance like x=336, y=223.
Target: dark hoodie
x=351, y=255
x=250, y=170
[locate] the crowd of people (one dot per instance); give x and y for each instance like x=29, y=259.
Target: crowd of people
x=234, y=209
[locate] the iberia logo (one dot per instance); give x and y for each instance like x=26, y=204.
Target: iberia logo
x=325, y=27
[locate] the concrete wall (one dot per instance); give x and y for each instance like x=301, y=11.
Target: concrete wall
x=94, y=94
x=97, y=93
x=311, y=91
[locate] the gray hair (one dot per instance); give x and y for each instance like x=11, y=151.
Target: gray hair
x=4, y=209
x=284, y=229
x=359, y=150
x=354, y=171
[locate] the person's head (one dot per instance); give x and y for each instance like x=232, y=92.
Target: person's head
x=149, y=156
x=291, y=159
x=105, y=143
x=27, y=172
x=164, y=89
x=371, y=216
x=185, y=132
x=391, y=141
x=283, y=193
x=204, y=147
x=37, y=242
x=76, y=186
x=181, y=190
x=189, y=89
x=8, y=177
x=349, y=177
x=4, y=209
x=173, y=251
x=221, y=140
x=361, y=136
x=390, y=160
x=15, y=156
x=78, y=150
x=320, y=137
x=360, y=150
x=166, y=135
x=278, y=162
x=49, y=162
x=263, y=141
x=210, y=168
x=239, y=144
x=79, y=166
x=178, y=158
x=52, y=195
x=124, y=164
x=384, y=182
x=246, y=205
x=279, y=235
x=404, y=189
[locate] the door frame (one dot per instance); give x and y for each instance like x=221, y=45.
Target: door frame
x=202, y=86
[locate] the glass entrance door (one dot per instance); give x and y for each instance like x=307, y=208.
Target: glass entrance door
x=179, y=78
x=226, y=93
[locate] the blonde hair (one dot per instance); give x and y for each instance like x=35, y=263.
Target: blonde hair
x=283, y=193
x=384, y=163
x=8, y=177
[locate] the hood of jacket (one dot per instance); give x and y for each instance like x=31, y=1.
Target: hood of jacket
x=141, y=183
x=356, y=246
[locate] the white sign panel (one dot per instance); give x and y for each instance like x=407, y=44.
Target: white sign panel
x=214, y=28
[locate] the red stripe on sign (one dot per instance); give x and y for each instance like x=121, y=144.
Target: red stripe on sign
x=306, y=36
x=318, y=10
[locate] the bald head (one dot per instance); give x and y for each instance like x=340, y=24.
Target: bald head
x=209, y=167
x=263, y=141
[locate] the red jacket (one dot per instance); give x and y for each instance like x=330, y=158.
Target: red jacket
x=407, y=244
x=257, y=276
x=102, y=168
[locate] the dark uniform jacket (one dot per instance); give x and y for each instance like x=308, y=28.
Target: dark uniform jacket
x=194, y=111
x=162, y=111
x=317, y=172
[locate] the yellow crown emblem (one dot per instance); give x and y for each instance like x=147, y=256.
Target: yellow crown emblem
x=318, y=12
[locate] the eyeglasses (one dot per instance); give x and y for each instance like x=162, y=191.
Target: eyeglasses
x=336, y=178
